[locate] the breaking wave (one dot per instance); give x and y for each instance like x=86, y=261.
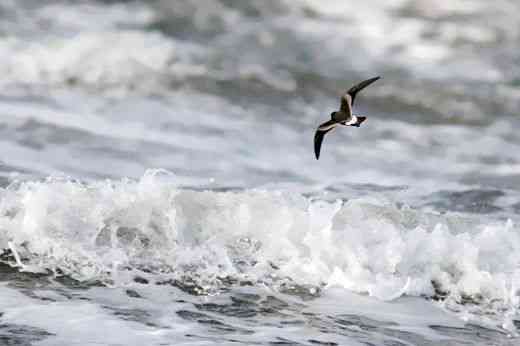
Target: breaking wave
x=111, y=231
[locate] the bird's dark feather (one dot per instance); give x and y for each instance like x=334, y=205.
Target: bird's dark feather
x=318, y=136
x=358, y=87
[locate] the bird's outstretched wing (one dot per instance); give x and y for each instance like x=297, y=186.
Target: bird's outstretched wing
x=347, y=100
x=320, y=133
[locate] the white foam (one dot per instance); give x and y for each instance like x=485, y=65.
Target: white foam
x=85, y=16
x=72, y=321
x=107, y=59
x=107, y=315
x=95, y=231
x=388, y=36
x=109, y=55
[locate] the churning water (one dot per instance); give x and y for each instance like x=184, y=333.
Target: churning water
x=159, y=186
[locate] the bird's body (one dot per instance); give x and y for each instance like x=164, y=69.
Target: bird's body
x=342, y=117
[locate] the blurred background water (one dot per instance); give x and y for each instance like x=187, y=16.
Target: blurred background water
x=159, y=184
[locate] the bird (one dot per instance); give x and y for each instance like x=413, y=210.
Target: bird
x=344, y=116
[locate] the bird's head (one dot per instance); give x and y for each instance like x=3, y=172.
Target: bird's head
x=333, y=114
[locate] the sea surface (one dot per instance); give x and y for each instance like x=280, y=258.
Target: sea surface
x=158, y=184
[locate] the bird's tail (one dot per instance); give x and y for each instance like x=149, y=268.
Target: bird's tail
x=359, y=121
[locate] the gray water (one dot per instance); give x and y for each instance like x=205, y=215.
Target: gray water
x=159, y=184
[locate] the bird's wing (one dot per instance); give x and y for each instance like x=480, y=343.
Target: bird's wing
x=346, y=104
x=320, y=133
x=348, y=98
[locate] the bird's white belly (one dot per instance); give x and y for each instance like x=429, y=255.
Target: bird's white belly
x=353, y=120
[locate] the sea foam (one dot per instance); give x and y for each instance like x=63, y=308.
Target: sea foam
x=107, y=229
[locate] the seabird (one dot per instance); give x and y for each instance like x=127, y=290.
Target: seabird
x=344, y=116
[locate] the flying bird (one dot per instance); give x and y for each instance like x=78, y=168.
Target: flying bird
x=342, y=117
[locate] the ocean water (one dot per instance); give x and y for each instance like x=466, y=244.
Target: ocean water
x=158, y=184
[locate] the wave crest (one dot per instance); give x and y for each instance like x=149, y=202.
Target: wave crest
x=108, y=230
